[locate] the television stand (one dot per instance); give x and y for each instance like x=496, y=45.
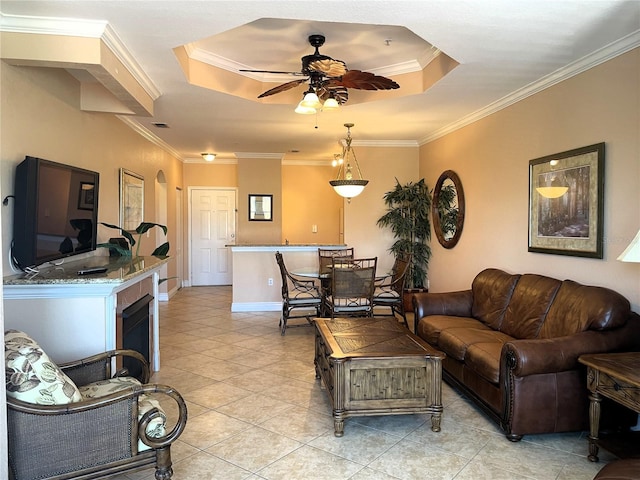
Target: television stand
x=74, y=316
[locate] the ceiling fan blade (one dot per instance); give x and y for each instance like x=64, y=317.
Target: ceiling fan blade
x=271, y=71
x=283, y=88
x=365, y=81
x=329, y=67
x=339, y=93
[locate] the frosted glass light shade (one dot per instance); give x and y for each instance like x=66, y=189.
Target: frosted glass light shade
x=311, y=100
x=330, y=104
x=348, y=188
x=301, y=109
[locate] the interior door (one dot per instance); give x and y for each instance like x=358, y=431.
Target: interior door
x=179, y=238
x=213, y=227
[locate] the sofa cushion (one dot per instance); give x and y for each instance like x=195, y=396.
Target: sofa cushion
x=578, y=308
x=432, y=326
x=532, y=297
x=456, y=341
x=31, y=376
x=484, y=359
x=492, y=289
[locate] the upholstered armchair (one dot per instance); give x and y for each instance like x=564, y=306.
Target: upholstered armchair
x=77, y=420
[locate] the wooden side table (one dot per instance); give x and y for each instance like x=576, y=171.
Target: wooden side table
x=615, y=376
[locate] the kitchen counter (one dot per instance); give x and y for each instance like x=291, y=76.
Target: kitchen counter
x=256, y=276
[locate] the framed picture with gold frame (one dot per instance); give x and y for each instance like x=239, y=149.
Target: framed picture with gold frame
x=566, y=202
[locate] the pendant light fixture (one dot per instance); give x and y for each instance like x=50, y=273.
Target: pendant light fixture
x=346, y=183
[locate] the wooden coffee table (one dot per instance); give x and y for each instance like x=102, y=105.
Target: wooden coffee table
x=375, y=366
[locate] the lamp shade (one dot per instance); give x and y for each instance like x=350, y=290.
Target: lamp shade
x=348, y=188
x=311, y=100
x=632, y=252
x=209, y=157
x=301, y=109
x=330, y=104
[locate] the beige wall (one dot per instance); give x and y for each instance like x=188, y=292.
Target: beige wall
x=381, y=166
x=492, y=157
x=40, y=116
x=259, y=176
x=307, y=200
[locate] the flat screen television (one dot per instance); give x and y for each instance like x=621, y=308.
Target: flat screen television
x=56, y=212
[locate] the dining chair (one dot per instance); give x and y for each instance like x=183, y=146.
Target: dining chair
x=297, y=293
x=389, y=289
x=352, y=286
x=326, y=256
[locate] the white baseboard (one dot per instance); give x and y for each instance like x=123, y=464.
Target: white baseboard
x=256, y=306
x=164, y=297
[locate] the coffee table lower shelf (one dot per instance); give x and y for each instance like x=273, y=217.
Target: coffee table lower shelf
x=384, y=372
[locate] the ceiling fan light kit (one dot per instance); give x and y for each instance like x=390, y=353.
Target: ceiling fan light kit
x=328, y=80
x=345, y=184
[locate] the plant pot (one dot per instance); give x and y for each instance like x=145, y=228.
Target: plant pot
x=407, y=298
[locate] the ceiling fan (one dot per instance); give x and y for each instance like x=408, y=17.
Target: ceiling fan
x=328, y=78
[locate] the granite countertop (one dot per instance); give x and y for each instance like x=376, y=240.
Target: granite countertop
x=119, y=270
x=287, y=245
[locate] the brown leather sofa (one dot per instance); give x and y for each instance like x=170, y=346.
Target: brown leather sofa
x=513, y=341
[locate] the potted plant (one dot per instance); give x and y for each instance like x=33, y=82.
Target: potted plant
x=408, y=208
x=143, y=228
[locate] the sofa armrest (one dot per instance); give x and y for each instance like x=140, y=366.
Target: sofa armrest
x=538, y=356
x=448, y=303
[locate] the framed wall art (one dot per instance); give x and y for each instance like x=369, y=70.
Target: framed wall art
x=260, y=208
x=87, y=196
x=131, y=199
x=566, y=196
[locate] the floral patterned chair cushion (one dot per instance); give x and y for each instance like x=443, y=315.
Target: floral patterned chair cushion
x=155, y=428
x=31, y=376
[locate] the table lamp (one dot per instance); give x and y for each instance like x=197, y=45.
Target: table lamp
x=632, y=254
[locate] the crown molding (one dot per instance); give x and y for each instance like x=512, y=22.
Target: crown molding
x=266, y=156
x=224, y=63
x=218, y=160
x=74, y=27
x=382, y=143
x=147, y=134
x=307, y=163
x=581, y=65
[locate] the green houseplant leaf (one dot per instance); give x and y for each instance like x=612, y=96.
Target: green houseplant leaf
x=141, y=229
x=407, y=215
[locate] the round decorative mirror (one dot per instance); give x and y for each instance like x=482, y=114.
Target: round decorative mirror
x=448, y=209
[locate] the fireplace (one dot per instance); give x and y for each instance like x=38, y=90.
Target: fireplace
x=135, y=332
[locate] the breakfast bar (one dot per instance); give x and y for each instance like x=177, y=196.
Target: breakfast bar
x=256, y=277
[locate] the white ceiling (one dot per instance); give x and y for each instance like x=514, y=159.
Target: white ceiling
x=507, y=50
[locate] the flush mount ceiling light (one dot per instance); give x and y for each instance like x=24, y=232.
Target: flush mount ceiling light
x=208, y=157
x=346, y=184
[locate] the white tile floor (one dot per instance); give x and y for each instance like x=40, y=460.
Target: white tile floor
x=256, y=411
